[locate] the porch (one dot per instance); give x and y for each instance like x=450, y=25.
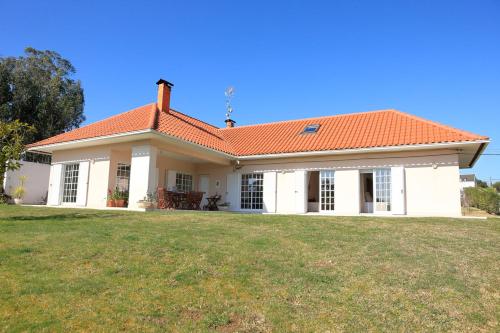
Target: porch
x=172, y=178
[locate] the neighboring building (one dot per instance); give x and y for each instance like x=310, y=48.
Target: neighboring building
x=36, y=169
x=382, y=162
x=467, y=181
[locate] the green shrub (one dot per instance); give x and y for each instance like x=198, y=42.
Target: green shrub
x=486, y=199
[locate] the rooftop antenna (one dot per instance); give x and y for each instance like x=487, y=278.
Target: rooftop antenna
x=229, y=95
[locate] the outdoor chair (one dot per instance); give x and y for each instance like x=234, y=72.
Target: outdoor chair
x=194, y=200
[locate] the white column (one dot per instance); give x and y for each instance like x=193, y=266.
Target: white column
x=142, y=173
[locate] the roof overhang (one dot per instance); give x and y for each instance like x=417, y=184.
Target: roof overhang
x=146, y=134
x=468, y=151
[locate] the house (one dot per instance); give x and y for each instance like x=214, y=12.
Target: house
x=467, y=181
x=382, y=162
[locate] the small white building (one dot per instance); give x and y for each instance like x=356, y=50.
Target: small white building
x=468, y=180
x=377, y=163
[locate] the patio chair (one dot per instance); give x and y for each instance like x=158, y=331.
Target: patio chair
x=160, y=198
x=194, y=200
x=165, y=199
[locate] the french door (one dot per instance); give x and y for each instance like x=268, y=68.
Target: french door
x=327, y=190
x=382, y=188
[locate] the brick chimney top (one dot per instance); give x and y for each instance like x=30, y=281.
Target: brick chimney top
x=164, y=88
x=229, y=123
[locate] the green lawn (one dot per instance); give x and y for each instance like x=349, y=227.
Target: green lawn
x=85, y=270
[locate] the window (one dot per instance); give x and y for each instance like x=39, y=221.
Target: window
x=311, y=129
x=183, y=182
x=36, y=157
x=123, y=177
x=252, y=191
x=70, y=182
x=383, y=189
x=327, y=189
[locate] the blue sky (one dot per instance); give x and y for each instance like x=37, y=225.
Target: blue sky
x=287, y=59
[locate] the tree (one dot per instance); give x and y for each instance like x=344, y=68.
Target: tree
x=37, y=89
x=481, y=183
x=496, y=185
x=12, y=138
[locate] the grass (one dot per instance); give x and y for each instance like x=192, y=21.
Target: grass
x=85, y=270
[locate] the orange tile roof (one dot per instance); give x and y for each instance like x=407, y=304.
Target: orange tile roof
x=359, y=130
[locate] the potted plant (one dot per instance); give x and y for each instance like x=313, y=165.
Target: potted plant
x=147, y=202
x=19, y=191
x=120, y=197
x=110, y=199
x=224, y=206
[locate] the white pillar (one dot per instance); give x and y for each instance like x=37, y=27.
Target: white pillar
x=142, y=173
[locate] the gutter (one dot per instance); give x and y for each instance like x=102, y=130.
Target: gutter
x=478, y=153
x=483, y=144
x=361, y=150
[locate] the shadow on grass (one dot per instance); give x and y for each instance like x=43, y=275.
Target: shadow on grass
x=60, y=217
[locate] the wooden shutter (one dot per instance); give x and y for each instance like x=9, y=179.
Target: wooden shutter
x=300, y=191
x=54, y=192
x=269, y=195
x=233, y=191
x=83, y=182
x=171, y=179
x=398, y=194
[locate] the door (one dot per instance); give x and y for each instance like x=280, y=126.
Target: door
x=326, y=190
x=204, y=186
x=383, y=190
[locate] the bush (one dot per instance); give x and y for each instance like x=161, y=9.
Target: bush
x=486, y=199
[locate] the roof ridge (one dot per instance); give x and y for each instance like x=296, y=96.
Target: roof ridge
x=311, y=118
x=438, y=124
x=111, y=117
x=194, y=125
x=215, y=127
x=154, y=117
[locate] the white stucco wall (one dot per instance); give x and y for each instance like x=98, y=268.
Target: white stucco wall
x=420, y=178
x=433, y=191
x=347, y=192
x=431, y=177
x=36, y=184
x=99, y=166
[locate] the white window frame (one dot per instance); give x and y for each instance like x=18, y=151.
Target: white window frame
x=330, y=200
x=70, y=179
x=382, y=189
x=184, y=182
x=255, y=194
x=122, y=174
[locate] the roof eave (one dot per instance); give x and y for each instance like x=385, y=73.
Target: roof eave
x=442, y=145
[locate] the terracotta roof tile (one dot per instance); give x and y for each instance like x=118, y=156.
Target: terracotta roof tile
x=137, y=119
x=360, y=130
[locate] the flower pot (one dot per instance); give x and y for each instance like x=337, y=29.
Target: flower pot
x=18, y=201
x=119, y=202
x=145, y=204
x=111, y=203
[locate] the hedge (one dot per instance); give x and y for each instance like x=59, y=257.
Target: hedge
x=483, y=198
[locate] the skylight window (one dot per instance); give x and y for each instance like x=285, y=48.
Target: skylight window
x=311, y=128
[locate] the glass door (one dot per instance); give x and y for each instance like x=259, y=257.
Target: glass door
x=327, y=190
x=382, y=189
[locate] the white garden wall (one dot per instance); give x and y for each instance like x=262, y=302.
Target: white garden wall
x=36, y=184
